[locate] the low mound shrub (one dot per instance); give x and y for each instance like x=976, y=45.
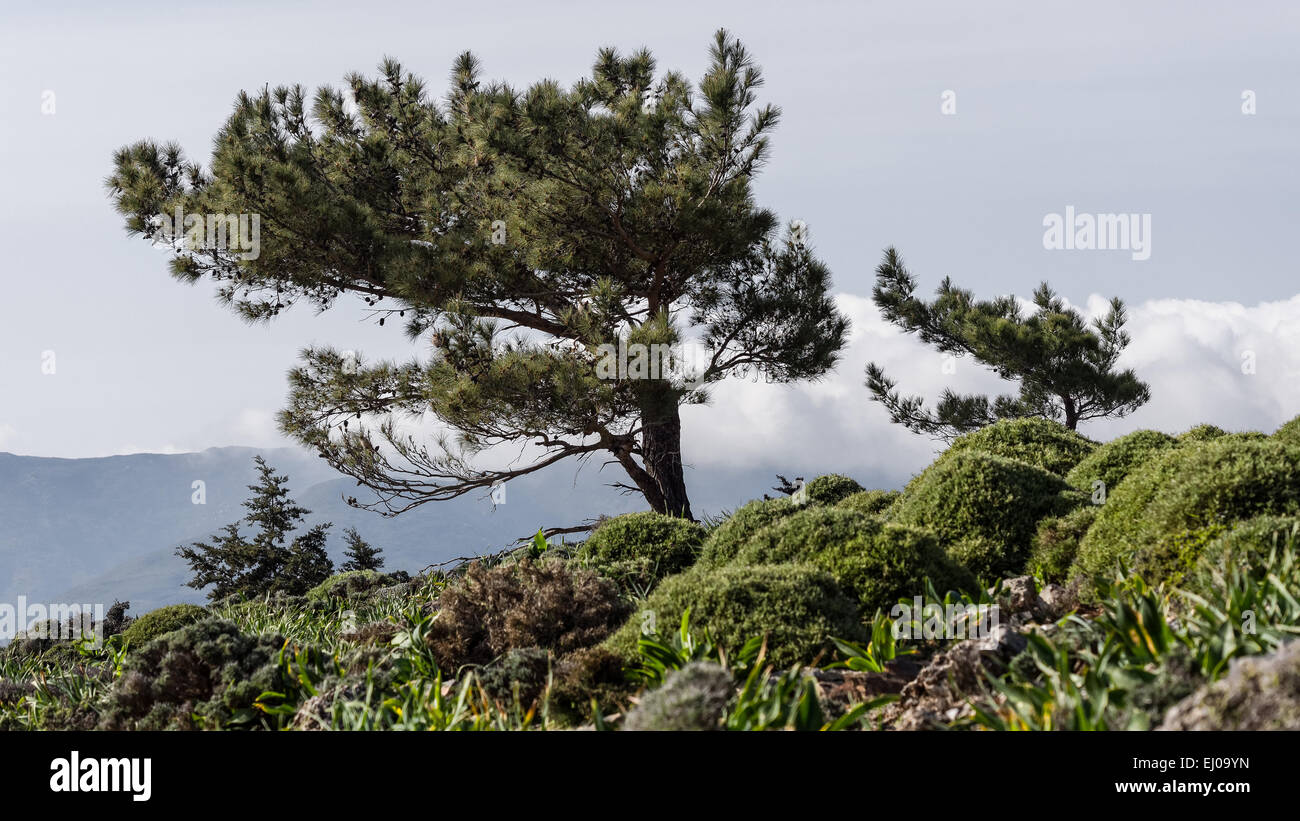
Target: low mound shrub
x=1056, y=543
x=203, y=676
x=590, y=674
x=163, y=620
x=1041, y=442
x=876, y=562
x=1289, y=431
x=1249, y=545
x=1162, y=517
x=725, y=541
x=1115, y=459
x=692, y=698
x=354, y=583
x=797, y=607
x=1201, y=433
x=522, y=671
x=642, y=547
x=871, y=502
x=546, y=604
x=972, y=495
x=831, y=488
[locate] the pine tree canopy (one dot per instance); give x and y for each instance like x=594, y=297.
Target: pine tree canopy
x=1065, y=367
x=269, y=562
x=516, y=232
x=361, y=554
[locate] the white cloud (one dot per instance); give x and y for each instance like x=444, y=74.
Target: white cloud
x=256, y=427
x=1189, y=351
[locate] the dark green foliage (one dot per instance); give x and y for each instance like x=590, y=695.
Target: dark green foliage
x=985, y=558
x=1057, y=543
x=877, y=563
x=203, y=676
x=1201, y=433
x=492, y=610
x=234, y=566
x=361, y=554
x=1248, y=545
x=692, y=698
x=798, y=608
x=616, y=210
x=1115, y=459
x=727, y=538
x=353, y=583
x=1165, y=513
x=969, y=494
x=871, y=502
x=642, y=548
x=592, y=673
x=1044, y=443
x=163, y=620
x=1065, y=367
x=1289, y=431
x=831, y=488
x=522, y=671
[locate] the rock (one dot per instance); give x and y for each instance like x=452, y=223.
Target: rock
x=840, y=690
x=938, y=694
x=1259, y=693
x=1055, y=601
x=1019, y=594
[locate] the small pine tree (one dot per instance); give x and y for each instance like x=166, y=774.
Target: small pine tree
x=361, y=555
x=268, y=562
x=1066, y=368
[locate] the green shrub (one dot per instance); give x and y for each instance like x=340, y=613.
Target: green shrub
x=692, y=698
x=1164, y=515
x=798, y=608
x=1248, y=545
x=163, y=620
x=1115, y=459
x=1201, y=433
x=1289, y=431
x=831, y=488
x=202, y=676
x=583, y=676
x=524, y=668
x=642, y=547
x=1057, y=543
x=350, y=583
x=972, y=495
x=526, y=604
x=1041, y=442
x=725, y=541
x=871, y=502
x=876, y=562
x=986, y=559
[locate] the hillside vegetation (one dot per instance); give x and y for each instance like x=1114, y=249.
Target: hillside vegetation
x=1130, y=608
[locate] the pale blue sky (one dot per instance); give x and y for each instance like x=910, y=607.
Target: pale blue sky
x=1106, y=106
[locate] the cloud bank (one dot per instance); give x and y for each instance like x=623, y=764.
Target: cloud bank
x=1225, y=363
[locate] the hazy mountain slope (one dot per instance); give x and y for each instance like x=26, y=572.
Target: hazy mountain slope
x=95, y=530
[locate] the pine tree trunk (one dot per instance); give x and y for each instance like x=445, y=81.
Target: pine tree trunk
x=661, y=452
x=1071, y=412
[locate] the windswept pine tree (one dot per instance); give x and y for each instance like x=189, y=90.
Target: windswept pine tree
x=1066, y=369
x=523, y=235
x=361, y=554
x=268, y=562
